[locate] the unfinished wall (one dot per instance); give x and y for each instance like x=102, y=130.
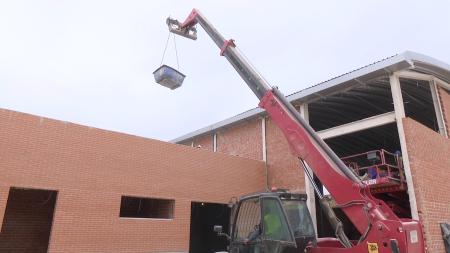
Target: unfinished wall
x=283, y=168
x=243, y=139
x=429, y=156
x=204, y=142
x=444, y=97
x=91, y=169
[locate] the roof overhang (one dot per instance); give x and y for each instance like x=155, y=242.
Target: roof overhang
x=407, y=60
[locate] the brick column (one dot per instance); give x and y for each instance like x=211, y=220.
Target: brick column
x=4, y=191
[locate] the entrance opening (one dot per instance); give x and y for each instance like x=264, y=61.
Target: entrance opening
x=203, y=218
x=28, y=220
x=375, y=156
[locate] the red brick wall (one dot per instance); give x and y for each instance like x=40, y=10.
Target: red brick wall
x=245, y=139
x=429, y=156
x=444, y=96
x=91, y=169
x=242, y=139
x=284, y=168
x=4, y=190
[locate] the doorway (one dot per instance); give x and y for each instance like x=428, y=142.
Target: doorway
x=28, y=220
x=203, y=218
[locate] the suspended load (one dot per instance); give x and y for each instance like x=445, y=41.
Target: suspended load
x=168, y=77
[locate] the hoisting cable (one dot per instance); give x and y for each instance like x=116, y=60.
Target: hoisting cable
x=165, y=48
x=176, y=51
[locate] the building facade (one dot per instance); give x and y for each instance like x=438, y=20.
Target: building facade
x=71, y=188
x=398, y=107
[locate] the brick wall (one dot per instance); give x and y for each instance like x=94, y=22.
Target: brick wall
x=91, y=169
x=283, y=168
x=4, y=190
x=429, y=155
x=243, y=139
x=444, y=96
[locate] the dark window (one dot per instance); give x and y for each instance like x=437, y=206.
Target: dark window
x=135, y=207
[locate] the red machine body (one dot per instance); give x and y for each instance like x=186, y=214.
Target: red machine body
x=382, y=230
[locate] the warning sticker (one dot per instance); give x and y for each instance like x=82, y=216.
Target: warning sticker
x=372, y=247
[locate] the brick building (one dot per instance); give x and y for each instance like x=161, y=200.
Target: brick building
x=71, y=188
x=398, y=107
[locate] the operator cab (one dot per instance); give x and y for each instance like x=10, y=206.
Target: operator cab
x=270, y=222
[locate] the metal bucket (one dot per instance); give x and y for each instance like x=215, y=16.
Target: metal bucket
x=168, y=77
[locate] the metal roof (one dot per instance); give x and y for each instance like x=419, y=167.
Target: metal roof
x=406, y=60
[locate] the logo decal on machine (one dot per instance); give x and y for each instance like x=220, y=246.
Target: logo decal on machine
x=372, y=247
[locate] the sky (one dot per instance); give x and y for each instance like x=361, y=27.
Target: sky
x=91, y=62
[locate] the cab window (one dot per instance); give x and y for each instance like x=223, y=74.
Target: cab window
x=299, y=218
x=275, y=226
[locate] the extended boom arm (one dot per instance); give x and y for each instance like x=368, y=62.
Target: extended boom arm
x=372, y=217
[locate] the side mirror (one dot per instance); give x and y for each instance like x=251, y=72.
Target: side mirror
x=218, y=229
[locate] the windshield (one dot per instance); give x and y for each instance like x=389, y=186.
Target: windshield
x=299, y=218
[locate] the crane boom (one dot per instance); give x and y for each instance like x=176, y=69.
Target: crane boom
x=372, y=217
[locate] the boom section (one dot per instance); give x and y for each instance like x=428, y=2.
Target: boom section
x=259, y=86
x=228, y=49
x=346, y=188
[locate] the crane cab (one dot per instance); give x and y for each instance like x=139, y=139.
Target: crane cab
x=270, y=222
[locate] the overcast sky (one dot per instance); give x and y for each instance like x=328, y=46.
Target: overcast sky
x=91, y=62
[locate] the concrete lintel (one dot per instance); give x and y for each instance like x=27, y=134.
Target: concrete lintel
x=359, y=125
x=413, y=75
x=399, y=115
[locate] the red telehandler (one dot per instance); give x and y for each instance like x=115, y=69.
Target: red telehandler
x=279, y=221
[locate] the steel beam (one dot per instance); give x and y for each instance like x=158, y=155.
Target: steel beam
x=399, y=115
x=359, y=125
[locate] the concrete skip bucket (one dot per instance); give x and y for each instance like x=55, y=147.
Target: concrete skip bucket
x=168, y=77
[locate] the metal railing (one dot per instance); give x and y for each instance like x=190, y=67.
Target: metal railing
x=377, y=167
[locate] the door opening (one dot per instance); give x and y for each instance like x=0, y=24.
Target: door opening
x=203, y=218
x=28, y=220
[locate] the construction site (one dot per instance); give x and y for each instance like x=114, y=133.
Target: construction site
x=370, y=146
